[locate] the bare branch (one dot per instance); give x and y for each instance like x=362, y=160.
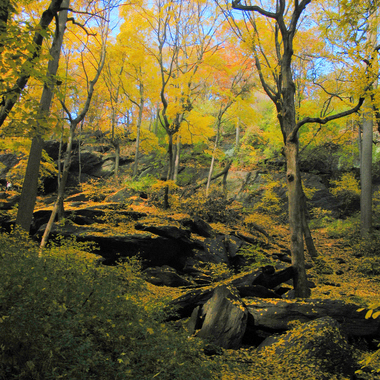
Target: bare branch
x=325, y=120
x=253, y=8
x=81, y=26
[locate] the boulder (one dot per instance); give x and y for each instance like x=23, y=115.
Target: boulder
x=316, y=348
x=224, y=319
x=198, y=226
x=212, y=250
x=278, y=315
x=249, y=283
x=165, y=276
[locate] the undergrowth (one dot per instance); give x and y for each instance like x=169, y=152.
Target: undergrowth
x=62, y=316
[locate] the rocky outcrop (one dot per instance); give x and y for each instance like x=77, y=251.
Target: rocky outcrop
x=224, y=319
x=278, y=315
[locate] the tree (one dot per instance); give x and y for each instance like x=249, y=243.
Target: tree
x=274, y=65
x=232, y=82
x=358, y=28
x=11, y=95
x=182, y=36
x=30, y=185
x=75, y=118
x=367, y=141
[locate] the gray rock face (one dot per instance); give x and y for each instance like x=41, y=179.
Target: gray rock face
x=225, y=319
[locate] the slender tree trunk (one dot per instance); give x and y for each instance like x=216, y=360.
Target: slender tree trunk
x=30, y=185
x=177, y=159
x=61, y=189
x=225, y=175
x=80, y=154
x=310, y=246
x=212, y=160
x=117, y=158
x=139, y=121
x=157, y=120
x=366, y=156
x=170, y=158
x=366, y=174
x=237, y=139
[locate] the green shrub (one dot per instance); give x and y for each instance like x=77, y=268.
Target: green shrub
x=214, y=208
x=62, y=316
x=255, y=256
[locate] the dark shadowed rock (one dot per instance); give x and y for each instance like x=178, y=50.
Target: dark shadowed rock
x=277, y=315
x=233, y=244
x=225, y=319
x=256, y=291
x=170, y=232
x=212, y=250
x=152, y=249
x=198, y=226
x=165, y=276
x=7, y=162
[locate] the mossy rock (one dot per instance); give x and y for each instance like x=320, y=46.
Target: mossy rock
x=317, y=347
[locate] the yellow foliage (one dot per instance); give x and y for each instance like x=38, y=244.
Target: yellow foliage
x=347, y=184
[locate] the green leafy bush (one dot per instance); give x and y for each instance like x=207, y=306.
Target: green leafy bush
x=255, y=256
x=214, y=208
x=62, y=316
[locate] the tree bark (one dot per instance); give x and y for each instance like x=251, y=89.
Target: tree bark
x=295, y=220
x=306, y=230
x=170, y=157
x=366, y=175
x=213, y=158
x=177, y=159
x=30, y=185
x=139, y=121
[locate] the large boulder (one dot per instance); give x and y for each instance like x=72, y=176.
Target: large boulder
x=278, y=315
x=316, y=348
x=224, y=319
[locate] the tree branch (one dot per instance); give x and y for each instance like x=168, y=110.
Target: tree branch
x=254, y=8
x=325, y=120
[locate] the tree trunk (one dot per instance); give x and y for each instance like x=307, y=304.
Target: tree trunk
x=139, y=121
x=366, y=175
x=295, y=219
x=306, y=230
x=212, y=160
x=237, y=140
x=117, y=158
x=30, y=185
x=170, y=158
x=61, y=188
x=177, y=159
x=80, y=155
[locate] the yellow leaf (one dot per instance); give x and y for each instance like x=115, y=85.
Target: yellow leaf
x=368, y=315
x=375, y=315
